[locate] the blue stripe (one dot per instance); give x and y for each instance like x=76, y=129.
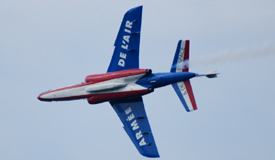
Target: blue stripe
x=177, y=89
x=175, y=61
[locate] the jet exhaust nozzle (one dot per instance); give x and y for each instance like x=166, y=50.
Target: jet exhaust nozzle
x=211, y=74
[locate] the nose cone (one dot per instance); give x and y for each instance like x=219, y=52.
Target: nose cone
x=43, y=97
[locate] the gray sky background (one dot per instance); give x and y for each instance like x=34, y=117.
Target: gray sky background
x=55, y=43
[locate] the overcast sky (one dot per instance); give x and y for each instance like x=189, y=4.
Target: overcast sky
x=55, y=43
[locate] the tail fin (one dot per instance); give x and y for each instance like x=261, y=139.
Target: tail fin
x=181, y=59
x=181, y=64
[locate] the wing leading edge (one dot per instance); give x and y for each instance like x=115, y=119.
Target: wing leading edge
x=132, y=114
x=126, y=53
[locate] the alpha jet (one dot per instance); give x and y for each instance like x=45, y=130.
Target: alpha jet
x=125, y=83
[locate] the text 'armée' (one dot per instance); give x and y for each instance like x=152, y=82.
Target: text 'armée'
x=135, y=126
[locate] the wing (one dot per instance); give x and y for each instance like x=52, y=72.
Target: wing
x=126, y=53
x=132, y=114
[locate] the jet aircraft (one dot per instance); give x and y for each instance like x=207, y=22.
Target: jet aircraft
x=125, y=83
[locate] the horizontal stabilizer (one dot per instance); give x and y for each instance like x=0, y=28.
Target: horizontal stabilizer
x=185, y=93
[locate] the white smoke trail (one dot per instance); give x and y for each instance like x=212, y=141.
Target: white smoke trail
x=235, y=56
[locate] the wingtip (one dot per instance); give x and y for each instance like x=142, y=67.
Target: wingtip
x=151, y=155
x=136, y=8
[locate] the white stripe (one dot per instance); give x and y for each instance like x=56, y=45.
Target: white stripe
x=185, y=95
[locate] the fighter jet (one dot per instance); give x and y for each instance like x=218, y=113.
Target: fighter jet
x=125, y=83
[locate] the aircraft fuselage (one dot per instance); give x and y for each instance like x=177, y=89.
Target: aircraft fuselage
x=115, y=86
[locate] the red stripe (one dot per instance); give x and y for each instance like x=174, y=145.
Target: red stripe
x=186, y=56
x=190, y=93
x=107, y=76
x=99, y=98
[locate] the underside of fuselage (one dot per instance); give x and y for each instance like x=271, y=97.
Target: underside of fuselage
x=105, y=88
x=133, y=83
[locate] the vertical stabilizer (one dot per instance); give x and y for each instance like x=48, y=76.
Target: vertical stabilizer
x=181, y=59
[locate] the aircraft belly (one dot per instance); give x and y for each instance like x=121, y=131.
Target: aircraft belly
x=116, y=85
x=71, y=93
x=80, y=92
x=101, y=87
